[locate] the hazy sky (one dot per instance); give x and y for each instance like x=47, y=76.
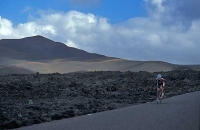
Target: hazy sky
x=166, y=30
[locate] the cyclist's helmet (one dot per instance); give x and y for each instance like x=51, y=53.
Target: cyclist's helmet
x=159, y=76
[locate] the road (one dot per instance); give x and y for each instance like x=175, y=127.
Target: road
x=177, y=113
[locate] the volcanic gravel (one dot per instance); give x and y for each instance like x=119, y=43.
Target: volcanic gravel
x=36, y=98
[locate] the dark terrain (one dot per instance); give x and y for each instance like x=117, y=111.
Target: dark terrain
x=27, y=99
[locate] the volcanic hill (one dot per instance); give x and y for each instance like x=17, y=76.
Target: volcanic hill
x=39, y=54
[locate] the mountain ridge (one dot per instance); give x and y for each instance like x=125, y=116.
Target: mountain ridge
x=40, y=54
x=44, y=49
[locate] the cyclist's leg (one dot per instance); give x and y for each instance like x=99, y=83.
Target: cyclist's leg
x=158, y=92
x=162, y=92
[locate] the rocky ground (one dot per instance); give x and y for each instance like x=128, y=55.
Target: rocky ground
x=37, y=98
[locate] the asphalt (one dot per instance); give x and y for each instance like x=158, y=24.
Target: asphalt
x=177, y=113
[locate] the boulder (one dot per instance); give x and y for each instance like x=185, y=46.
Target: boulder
x=56, y=117
x=12, y=124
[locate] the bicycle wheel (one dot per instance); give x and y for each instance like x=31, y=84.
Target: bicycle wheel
x=160, y=97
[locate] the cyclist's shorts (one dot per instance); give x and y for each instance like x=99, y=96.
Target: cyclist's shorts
x=159, y=84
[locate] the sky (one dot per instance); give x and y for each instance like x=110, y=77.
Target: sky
x=155, y=30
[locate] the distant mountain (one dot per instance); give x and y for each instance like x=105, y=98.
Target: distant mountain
x=41, y=48
x=39, y=54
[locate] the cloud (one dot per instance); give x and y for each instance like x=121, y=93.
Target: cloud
x=187, y=9
x=160, y=36
x=6, y=28
x=174, y=11
x=26, y=9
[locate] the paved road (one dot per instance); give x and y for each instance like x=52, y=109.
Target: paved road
x=176, y=113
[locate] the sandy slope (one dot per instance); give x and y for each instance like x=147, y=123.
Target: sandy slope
x=64, y=66
x=14, y=70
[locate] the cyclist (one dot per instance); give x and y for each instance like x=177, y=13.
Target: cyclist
x=160, y=83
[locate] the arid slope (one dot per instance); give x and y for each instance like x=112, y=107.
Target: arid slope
x=39, y=54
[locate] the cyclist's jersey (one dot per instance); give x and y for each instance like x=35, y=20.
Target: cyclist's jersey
x=159, y=82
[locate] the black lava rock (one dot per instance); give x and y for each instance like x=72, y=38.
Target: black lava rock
x=31, y=99
x=12, y=124
x=56, y=117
